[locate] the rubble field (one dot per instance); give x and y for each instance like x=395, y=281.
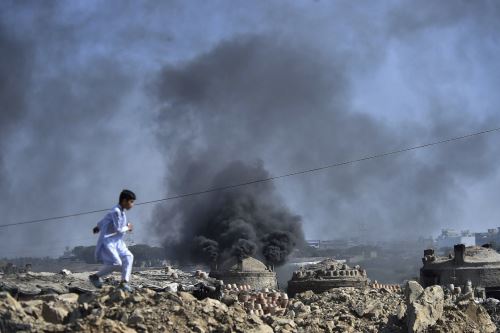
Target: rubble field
x=171, y=301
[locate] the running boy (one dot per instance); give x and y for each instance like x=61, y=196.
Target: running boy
x=111, y=248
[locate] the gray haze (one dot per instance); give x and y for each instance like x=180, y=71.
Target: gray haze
x=96, y=97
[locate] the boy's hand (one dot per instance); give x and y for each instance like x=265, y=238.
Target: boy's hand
x=130, y=227
x=95, y=230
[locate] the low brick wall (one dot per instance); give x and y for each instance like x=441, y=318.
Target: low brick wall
x=319, y=286
x=257, y=280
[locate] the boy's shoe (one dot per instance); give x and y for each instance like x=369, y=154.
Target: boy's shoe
x=126, y=287
x=96, y=281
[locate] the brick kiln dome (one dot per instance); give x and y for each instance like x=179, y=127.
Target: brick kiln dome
x=325, y=275
x=245, y=265
x=246, y=271
x=479, y=266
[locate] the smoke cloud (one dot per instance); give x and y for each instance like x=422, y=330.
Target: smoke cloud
x=264, y=97
x=239, y=223
x=177, y=97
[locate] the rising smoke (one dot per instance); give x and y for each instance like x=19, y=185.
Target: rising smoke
x=293, y=85
x=241, y=222
x=263, y=97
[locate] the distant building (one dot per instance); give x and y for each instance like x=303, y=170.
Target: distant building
x=492, y=236
x=332, y=244
x=450, y=238
x=315, y=243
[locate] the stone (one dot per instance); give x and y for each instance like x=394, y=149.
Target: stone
x=426, y=309
x=33, y=311
x=9, y=302
x=186, y=297
x=479, y=315
x=86, y=298
x=172, y=287
x=117, y=296
x=413, y=290
x=33, y=303
x=54, y=314
x=262, y=328
x=136, y=318
x=70, y=298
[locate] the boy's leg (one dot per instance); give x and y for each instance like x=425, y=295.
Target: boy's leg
x=127, y=259
x=111, y=258
x=106, y=270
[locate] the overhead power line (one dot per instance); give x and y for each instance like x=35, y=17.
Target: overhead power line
x=255, y=181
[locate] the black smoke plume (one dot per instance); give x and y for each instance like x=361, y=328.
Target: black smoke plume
x=244, y=248
x=205, y=248
x=241, y=222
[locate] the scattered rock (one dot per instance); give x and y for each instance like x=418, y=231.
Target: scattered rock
x=413, y=290
x=156, y=309
x=136, y=318
x=54, y=314
x=117, y=296
x=71, y=298
x=426, y=309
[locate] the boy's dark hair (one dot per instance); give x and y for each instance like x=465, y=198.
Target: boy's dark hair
x=126, y=195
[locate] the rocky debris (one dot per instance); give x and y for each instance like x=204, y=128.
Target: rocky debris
x=413, y=290
x=113, y=310
x=425, y=310
x=492, y=306
x=347, y=310
x=436, y=310
x=201, y=274
x=28, y=285
x=202, y=291
x=243, y=309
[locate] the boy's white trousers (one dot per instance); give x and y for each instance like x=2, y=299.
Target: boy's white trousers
x=114, y=254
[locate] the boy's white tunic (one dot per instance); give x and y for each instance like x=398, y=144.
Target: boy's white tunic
x=111, y=248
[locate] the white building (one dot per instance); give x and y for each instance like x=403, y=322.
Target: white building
x=450, y=237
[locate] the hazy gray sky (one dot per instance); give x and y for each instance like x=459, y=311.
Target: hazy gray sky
x=99, y=96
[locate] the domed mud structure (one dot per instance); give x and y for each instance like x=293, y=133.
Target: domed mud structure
x=479, y=265
x=326, y=275
x=246, y=271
